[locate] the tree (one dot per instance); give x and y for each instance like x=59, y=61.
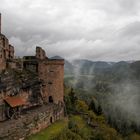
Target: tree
x=72, y=96
x=95, y=106
x=70, y=101
x=81, y=106
x=99, y=110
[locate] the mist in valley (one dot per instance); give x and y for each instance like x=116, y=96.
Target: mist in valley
x=116, y=86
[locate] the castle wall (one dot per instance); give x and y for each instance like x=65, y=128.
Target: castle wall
x=2, y=115
x=11, y=65
x=55, y=82
x=6, y=53
x=11, y=52
x=40, y=53
x=2, y=65
x=4, y=47
x=31, y=122
x=52, y=72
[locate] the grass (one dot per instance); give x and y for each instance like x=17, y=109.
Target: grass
x=50, y=132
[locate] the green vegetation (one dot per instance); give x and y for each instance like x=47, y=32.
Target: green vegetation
x=85, y=121
x=50, y=132
x=90, y=124
x=77, y=130
x=116, y=89
x=98, y=104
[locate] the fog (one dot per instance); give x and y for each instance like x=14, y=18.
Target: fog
x=119, y=94
x=126, y=98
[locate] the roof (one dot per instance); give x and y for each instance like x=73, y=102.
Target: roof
x=15, y=101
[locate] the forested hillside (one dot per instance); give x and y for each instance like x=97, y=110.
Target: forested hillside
x=83, y=121
x=116, y=86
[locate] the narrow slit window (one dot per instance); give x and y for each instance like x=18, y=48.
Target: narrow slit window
x=50, y=83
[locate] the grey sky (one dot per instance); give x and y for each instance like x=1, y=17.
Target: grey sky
x=88, y=29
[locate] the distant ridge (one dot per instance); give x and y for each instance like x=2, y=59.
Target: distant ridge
x=68, y=67
x=84, y=66
x=56, y=57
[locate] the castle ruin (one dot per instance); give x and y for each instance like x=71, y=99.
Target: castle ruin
x=31, y=90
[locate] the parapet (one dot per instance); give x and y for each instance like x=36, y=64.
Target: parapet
x=55, y=62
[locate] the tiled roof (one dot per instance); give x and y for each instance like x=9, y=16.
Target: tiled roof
x=15, y=101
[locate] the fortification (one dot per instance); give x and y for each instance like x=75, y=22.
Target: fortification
x=31, y=91
x=6, y=52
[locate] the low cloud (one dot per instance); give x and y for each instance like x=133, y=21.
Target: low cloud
x=92, y=29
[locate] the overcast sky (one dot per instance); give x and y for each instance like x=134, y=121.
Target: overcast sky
x=89, y=29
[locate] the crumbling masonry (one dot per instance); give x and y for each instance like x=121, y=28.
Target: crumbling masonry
x=31, y=91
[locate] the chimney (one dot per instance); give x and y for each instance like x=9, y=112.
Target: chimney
x=0, y=23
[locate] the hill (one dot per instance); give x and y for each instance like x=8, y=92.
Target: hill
x=68, y=67
x=115, y=85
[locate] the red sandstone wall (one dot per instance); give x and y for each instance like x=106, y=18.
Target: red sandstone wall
x=11, y=52
x=40, y=53
x=2, y=65
x=55, y=82
x=31, y=122
x=52, y=72
x=6, y=52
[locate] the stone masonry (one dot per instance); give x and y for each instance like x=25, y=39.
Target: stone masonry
x=31, y=91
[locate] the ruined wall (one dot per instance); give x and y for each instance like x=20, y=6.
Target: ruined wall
x=11, y=52
x=2, y=114
x=30, y=63
x=6, y=53
x=40, y=53
x=52, y=73
x=55, y=78
x=23, y=85
x=2, y=52
x=31, y=122
x=4, y=45
x=2, y=65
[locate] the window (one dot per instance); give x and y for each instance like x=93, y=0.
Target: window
x=51, y=71
x=51, y=120
x=50, y=99
x=50, y=83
